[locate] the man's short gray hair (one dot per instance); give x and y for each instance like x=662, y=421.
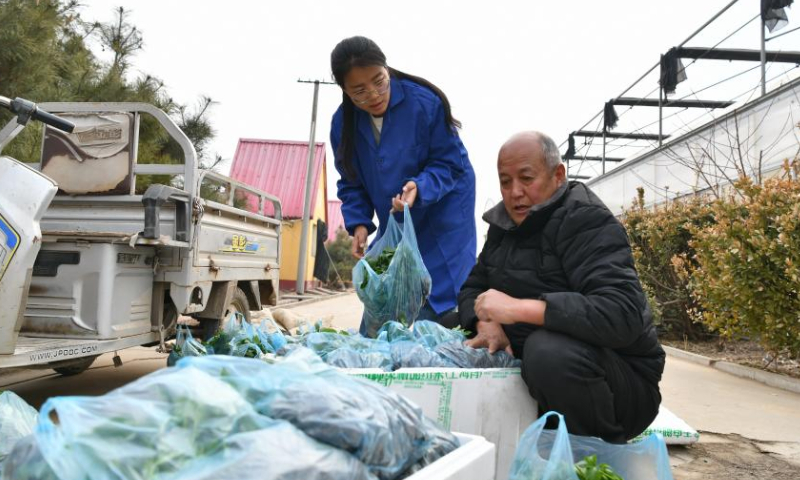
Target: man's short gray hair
x=552, y=157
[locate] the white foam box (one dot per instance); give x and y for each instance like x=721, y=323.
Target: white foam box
x=493, y=403
x=473, y=460
x=674, y=430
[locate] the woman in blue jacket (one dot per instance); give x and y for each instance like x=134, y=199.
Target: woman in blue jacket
x=396, y=141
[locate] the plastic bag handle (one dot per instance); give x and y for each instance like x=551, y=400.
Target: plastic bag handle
x=560, y=449
x=409, y=234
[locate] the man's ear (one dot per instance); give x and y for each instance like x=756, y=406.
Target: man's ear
x=561, y=173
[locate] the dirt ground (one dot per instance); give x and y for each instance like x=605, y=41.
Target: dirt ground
x=732, y=457
x=743, y=352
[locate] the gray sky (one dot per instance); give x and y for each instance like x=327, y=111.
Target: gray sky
x=506, y=66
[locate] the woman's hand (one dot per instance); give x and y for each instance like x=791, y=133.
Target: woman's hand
x=408, y=196
x=359, y=241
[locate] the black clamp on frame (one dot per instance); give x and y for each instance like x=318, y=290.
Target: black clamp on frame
x=153, y=199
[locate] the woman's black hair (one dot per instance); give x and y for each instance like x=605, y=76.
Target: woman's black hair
x=363, y=52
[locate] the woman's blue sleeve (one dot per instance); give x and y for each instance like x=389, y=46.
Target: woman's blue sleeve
x=445, y=165
x=357, y=207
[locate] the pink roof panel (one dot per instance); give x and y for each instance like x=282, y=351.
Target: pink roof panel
x=279, y=168
x=335, y=218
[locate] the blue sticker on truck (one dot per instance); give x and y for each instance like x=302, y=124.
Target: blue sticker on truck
x=9, y=241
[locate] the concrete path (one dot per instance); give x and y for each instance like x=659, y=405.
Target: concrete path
x=346, y=310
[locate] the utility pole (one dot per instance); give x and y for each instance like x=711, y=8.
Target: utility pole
x=301, y=266
x=763, y=56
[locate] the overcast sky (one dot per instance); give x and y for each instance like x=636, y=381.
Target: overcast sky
x=506, y=66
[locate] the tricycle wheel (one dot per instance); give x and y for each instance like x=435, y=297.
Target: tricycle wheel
x=238, y=304
x=74, y=367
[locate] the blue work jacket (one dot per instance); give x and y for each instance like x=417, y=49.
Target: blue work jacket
x=415, y=144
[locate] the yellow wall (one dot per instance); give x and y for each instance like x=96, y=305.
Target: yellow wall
x=291, y=234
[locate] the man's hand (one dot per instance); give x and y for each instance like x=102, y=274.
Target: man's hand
x=359, y=241
x=491, y=336
x=495, y=306
x=408, y=196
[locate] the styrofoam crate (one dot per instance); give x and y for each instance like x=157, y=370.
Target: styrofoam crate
x=473, y=460
x=493, y=402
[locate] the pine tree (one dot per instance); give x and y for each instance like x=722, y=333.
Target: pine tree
x=44, y=56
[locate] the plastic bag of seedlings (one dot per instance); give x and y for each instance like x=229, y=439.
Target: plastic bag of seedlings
x=245, y=340
x=556, y=455
x=391, y=280
x=323, y=343
x=222, y=341
x=17, y=420
x=395, y=332
x=462, y=356
x=271, y=336
x=186, y=346
x=349, y=358
x=443, y=442
x=377, y=426
x=431, y=334
x=410, y=354
x=176, y=424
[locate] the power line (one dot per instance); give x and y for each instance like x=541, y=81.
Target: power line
x=719, y=43
x=720, y=82
x=782, y=34
x=591, y=141
x=708, y=22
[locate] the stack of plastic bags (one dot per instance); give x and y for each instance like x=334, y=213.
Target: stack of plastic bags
x=217, y=416
x=237, y=338
x=425, y=344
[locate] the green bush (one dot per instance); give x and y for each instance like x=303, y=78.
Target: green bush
x=745, y=274
x=660, y=241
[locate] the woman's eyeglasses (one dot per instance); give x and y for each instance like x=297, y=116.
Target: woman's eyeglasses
x=363, y=96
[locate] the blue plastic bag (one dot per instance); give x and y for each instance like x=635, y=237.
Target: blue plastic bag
x=186, y=346
x=349, y=358
x=17, y=420
x=551, y=455
x=408, y=354
x=400, y=291
x=222, y=342
x=462, y=356
x=431, y=334
x=273, y=340
x=323, y=343
x=395, y=332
